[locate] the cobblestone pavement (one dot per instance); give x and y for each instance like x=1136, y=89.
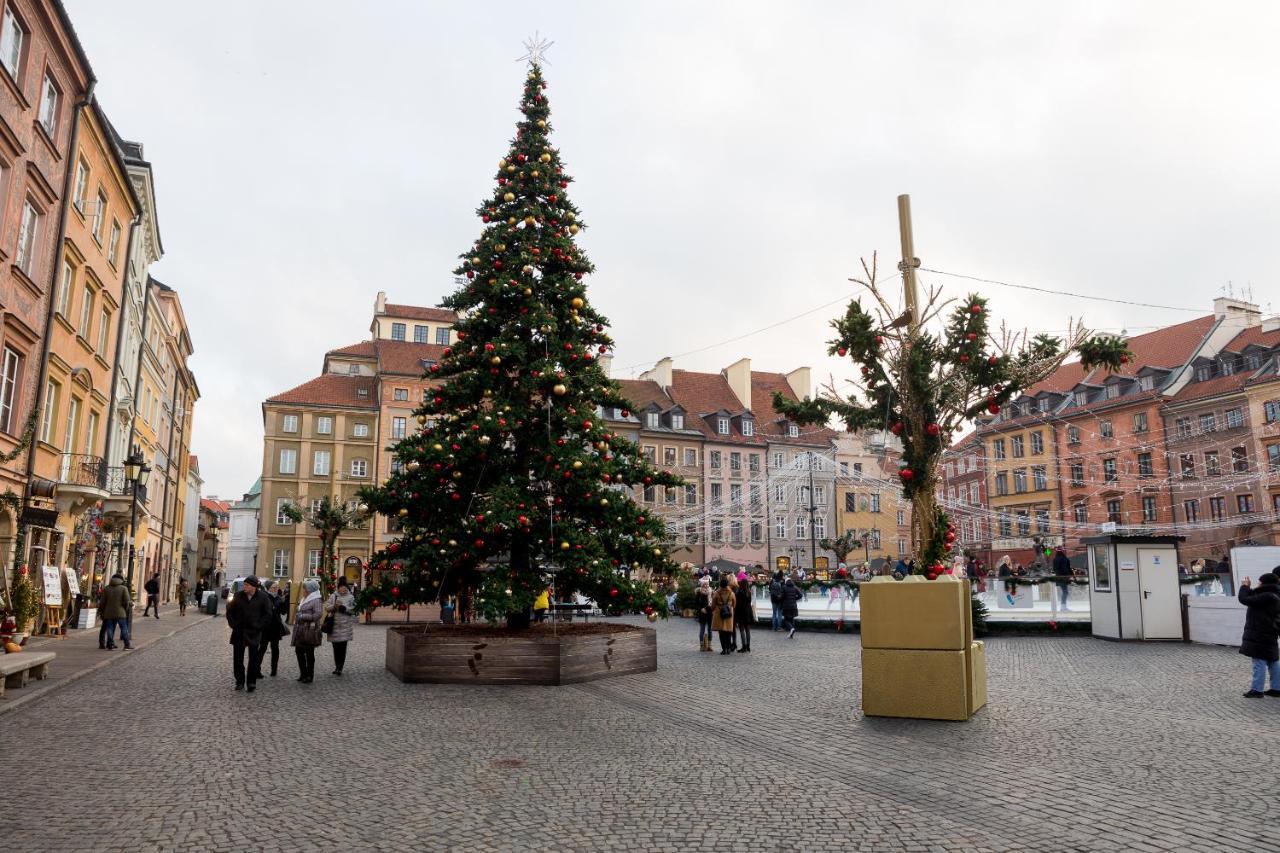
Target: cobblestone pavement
x=1086, y=746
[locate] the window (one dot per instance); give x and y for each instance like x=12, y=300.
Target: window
x=779, y=494
x=99, y=217
x=1017, y=447
x=875, y=501
x=113, y=243
x=735, y=461
x=1002, y=483
x=1113, y=391
x=715, y=460
x=1244, y=504
x=1039, y=481
x=1037, y=443
x=677, y=420
x=1006, y=523
x=973, y=493
x=1113, y=511
x=669, y=456
x=1203, y=372
x=1191, y=509
x=49, y=105
x=324, y=425
x=1109, y=470
x=360, y=430
x=50, y=411
x=1101, y=567
x=1105, y=430
x=1275, y=504
x=997, y=449
x=1140, y=422
x=802, y=527
x=844, y=469
x=691, y=495
x=1081, y=513
x=779, y=461
x=104, y=323
x=1273, y=456
x=10, y=370
x=902, y=517
x=353, y=369
x=1146, y=383
x=320, y=463
x=1183, y=426
x=650, y=454
x=722, y=426
x=717, y=530
x=73, y=422
x=1239, y=460
x=398, y=427
x=359, y=468
x=86, y=313
x=748, y=426
x=735, y=531
x=442, y=336
x=28, y=239
x=1145, y=468
x=780, y=526
x=1042, y=405
x=11, y=37
x=651, y=420
x=757, y=531
x=1187, y=466
x=1148, y=509
x=64, y=291
x=1211, y=466
x=753, y=462
x=803, y=496
x=1042, y=521
x=280, y=563
x=691, y=532
x=401, y=394
x=1073, y=435
x=690, y=457
x=1271, y=411
x=313, y=561
x=419, y=334
x=793, y=430
x=1020, y=481
x=1208, y=423
x=397, y=331
x=1077, y=473
x=820, y=527
x=717, y=492
x=1024, y=522
x=289, y=423
x=649, y=494
x=755, y=495
x=1217, y=508
x=82, y=182
x=281, y=516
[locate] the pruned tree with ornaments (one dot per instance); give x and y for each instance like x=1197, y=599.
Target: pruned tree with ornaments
x=513, y=481
x=925, y=381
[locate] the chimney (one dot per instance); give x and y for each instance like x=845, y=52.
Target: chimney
x=1243, y=313
x=606, y=363
x=380, y=303
x=739, y=376
x=660, y=373
x=800, y=382
x=1271, y=324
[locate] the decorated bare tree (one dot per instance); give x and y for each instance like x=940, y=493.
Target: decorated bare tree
x=329, y=519
x=923, y=380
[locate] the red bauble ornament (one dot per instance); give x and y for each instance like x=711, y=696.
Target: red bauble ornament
x=497, y=265
x=906, y=473
x=842, y=352
x=993, y=361
x=975, y=309
x=933, y=576
x=964, y=359
x=972, y=336
x=376, y=602
x=613, y=593
x=993, y=408
x=1124, y=359
x=896, y=428
x=933, y=429
x=395, y=590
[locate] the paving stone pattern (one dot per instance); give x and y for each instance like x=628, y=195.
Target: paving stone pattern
x=1087, y=746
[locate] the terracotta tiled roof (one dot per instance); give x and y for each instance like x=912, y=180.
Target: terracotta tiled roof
x=364, y=348
x=642, y=392
x=332, y=389
x=1061, y=380
x=1254, y=336
x=405, y=357
x=769, y=422
x=704, y=393
x=417, y=312
x=1168, y=347
x=1211, y=387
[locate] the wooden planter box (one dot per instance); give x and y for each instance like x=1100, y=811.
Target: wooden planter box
x=466, y=654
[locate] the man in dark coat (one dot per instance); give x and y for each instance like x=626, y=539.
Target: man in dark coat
x=152, y=588
x=1062, y=570
x=775, y=598
x=275, y=628
x=742, y=615
x=1261, y=631
x=249, y=615
x=791, y=595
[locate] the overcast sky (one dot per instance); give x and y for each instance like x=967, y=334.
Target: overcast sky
x=734, y=161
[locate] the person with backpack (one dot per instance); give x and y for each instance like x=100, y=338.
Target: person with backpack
x=775, y=597
x=1261, y=630
x=791, y=595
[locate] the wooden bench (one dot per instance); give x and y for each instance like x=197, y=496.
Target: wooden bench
x=566, y=612
x=17, y=667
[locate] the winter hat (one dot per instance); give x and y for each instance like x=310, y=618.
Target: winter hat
x=742, y=574
x=1268, y=579
x=251, y=580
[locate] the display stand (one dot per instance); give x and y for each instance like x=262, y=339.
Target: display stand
x=53, y=616
x=919, y=658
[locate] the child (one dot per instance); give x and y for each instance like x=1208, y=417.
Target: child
x=1261, y=627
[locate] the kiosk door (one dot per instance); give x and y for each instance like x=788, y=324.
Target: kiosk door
x=1161, y=605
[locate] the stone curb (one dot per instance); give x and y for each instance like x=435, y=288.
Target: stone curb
x=14, y=704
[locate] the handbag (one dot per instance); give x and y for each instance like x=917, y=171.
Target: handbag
x=308, y=633
x=326, y=627
x=726, y=612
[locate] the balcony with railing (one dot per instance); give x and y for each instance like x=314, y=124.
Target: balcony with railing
x=82, y=480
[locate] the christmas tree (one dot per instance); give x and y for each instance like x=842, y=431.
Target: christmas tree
x=512, y=479
x=924, y=384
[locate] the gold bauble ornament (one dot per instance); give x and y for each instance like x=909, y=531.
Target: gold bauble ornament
x=496, y=360
x=502, y=164
x=488, y=392
x=577, y=302
x=529, y=220
x=511, y=168
x=527, y=269
x=604, y=502
x=509, y=197
x=501, y=247
x=569, y=216
x=564, y=546
x=545, y=329
x=652, y=617
x=422, y=419
x=542, y=124
x=403, y=512
x=528, y=291
x=453, y=543
x=457, y=475
x=546, y=158
x=573, y=229
x=534, y=173
x=484, y=439
x=437, y=447
x=511, y=220
x=577, y=463
x=476, y=261
x=413, y=465
x=559, y=390
x=657, y=552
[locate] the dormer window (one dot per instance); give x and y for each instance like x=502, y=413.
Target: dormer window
x=1043, y=404
x=722, y=426
x=651, y=420
x=677, y=420
x=1228, y=366
x=1113, y=391
x=793, y=431
x=1203, y=372
x=748, y=427
x=1146, y=383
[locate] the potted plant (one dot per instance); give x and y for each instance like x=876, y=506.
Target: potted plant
x=24, y=604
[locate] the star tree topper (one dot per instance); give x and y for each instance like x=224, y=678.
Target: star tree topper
x=536, y=48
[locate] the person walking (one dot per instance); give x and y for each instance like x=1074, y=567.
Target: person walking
x=248, y=614
x=775, y=598
x=1261, y=629
x=116, y=602
x=306, y=630
x=1062, y=575
x=184, y=590
x=152, y=588
x=791, y=595
x=861, y=574
x=342, y=607
x=743, y=613
x=704, y=596
x=275, y=628
x=722, y=604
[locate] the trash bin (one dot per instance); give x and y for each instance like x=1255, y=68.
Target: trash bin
x=210, y=603
x=446, y=614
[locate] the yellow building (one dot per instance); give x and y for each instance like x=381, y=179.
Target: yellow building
x=865, y=504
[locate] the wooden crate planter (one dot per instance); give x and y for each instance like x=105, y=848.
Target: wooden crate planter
x=465, y=654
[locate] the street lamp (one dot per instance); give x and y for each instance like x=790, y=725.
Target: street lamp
x=136, y=472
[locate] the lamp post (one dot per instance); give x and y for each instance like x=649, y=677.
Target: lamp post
x=136, y=472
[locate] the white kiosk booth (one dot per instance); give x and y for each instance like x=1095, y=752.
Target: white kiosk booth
x=1134, y=592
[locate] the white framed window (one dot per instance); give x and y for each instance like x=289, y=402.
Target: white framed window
x=324, y=425
x=49, y=105
x=780, y=527
x=86, y=312
x=281, y=516
x=99, y=216
x=359, y=468
x=397, y=331
x=82, y=184
x=778, y=460
x=715, y=460
x=72, y=426
x=398, y=427
x=288, y=460
x=64, y=291
x=802, y=527
x=91, y=433
x=651, y=420
x=753, y=462
x=820, y=495
x=104, y=324
x=289, y=423
x=360, y=430
x=793, y=430
x=50, y=411
x=113, y=243
x=779, y=494
x=875, y=501
x=400, y=394
x=313, y=561
x=28, y=238
x=735, y=461
x=419, y=334
x=320, y=463
x=690, y=457
x=11, y=38
x=820, y=527
x=677, y=421
x=280, y=563
x=722, y=426
x=316, y=503
x=691, y=494
x=442, y=336
x=10, y=369
x=748, y=426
